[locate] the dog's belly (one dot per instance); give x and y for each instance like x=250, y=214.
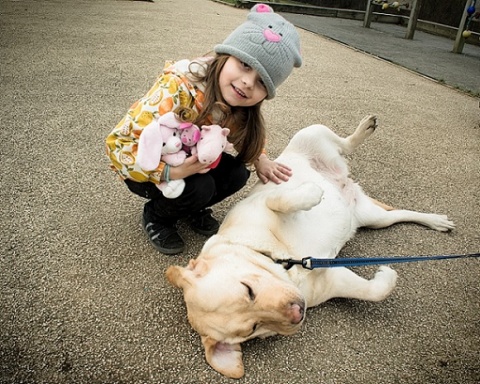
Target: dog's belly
x=320, y=232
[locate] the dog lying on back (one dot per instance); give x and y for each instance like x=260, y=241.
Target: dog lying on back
x=234, y=291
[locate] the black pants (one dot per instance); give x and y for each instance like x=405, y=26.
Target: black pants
x=201, y=191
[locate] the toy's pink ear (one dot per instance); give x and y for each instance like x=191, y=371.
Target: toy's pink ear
x=169, y=119
x=225, y=132
x=150, y=147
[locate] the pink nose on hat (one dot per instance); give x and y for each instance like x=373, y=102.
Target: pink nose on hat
x=271, y=36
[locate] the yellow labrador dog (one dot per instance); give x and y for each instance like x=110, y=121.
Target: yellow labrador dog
x=234, y=291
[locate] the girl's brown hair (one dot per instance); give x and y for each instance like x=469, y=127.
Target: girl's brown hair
x=247, y=126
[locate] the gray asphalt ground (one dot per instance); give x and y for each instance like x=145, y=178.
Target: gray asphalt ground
x=83, y=295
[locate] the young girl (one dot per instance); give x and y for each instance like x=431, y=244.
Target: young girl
x=226, y=89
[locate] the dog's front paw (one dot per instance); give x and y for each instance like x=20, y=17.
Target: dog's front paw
x=384, y=282
x=302, y=198
x=310, y=195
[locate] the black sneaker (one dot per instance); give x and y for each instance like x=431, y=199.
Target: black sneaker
x=164, y=237
x=204, y=223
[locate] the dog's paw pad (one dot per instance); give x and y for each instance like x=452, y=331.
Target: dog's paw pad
x=366, y=127
x=368, y=123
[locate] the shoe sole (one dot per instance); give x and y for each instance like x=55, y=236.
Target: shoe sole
x=167, y=251
x=204, y=233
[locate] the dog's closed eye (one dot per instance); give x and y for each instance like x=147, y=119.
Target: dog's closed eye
x=251, y=294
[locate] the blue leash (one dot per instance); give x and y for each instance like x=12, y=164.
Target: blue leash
x=311, y=262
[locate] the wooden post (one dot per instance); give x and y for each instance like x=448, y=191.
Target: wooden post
x=460, y=40
x=412, y=20
x=368, y=14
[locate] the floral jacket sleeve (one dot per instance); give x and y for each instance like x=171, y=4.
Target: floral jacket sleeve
x=172, y=89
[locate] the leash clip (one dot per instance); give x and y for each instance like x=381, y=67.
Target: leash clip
x=289, y=263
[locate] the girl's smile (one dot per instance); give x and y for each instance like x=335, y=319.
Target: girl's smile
x=240, y=84
x=239, y=91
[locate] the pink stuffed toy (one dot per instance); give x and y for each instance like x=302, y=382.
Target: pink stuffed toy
x=213, y=141
x=160, y=140
x=189, y=137
x=163, y=140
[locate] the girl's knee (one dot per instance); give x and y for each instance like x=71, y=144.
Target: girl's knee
x=239, y=177
x=199, y=190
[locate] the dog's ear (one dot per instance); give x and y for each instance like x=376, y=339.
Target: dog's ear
x=198, y=267
x=180, y=277
x=174, y=275
x=224, y=358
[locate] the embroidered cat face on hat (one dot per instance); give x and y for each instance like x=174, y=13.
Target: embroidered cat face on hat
x=266, y=42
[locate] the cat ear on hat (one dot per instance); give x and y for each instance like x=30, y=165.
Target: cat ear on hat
x=263, y=13
x=261, y=8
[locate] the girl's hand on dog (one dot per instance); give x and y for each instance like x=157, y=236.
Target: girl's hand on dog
x=269, y=170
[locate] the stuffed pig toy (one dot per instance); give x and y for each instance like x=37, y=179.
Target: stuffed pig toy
x=213, y=141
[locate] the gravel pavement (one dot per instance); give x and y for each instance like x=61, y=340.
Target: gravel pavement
x=83, y=295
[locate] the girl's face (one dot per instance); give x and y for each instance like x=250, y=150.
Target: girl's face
x=240, y=84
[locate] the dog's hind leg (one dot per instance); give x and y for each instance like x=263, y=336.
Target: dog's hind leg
x=324, y=148
x=371, y=214
x=366, y=127
x=317, y=139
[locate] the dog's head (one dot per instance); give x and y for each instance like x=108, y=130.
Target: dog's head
x=234, y=294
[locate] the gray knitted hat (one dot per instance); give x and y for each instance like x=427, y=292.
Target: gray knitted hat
x=266, y=42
